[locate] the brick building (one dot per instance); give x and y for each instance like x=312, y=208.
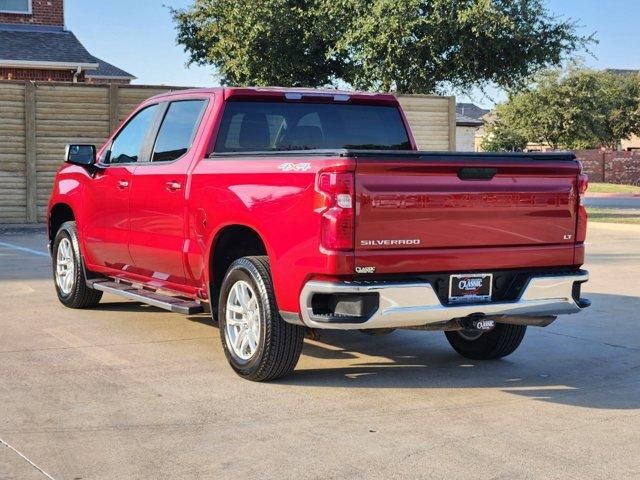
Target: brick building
x=35, y=45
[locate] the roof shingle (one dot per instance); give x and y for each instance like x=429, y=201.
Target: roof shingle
x=41, y=45
x=471, y=110
x=106, y=70
x=51, y=44
x=464, y=121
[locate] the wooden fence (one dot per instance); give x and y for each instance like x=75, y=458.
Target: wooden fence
x=432, y=119
x=38, y=119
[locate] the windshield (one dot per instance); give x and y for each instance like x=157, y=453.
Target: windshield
x=278, y=126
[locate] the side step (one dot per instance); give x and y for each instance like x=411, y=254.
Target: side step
x=166, y=302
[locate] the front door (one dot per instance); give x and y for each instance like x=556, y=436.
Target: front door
x=107, y=226
x=158, y=202
x=107, y=222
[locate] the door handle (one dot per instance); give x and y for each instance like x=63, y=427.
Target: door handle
x=122, y=184
x=173, y=186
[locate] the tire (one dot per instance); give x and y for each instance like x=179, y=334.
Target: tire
x=74, y=293
x=269, y=348
x=503, y=340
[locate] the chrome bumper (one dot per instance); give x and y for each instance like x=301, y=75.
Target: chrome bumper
x=416, y=304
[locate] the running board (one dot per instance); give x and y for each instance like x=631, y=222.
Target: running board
x=166, y=302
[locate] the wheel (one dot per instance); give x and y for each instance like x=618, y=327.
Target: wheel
x=497, y=343
x=257, y=342
x=68, y=271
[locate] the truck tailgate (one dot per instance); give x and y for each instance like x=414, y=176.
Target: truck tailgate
x=464, y=201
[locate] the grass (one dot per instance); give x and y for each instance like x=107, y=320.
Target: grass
x=614, y=215
x=612, y=188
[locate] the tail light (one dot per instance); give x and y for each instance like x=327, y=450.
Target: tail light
x=581, y=227
x=337, y=228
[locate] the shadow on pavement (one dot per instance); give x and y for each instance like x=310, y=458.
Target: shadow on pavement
x=127, y=306
x=551, y=365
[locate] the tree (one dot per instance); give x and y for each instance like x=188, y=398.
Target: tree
x=619, y=108
x=543, y=113
x=502, y=138
x=575, y=108
x=260, y=42
x=409, y=46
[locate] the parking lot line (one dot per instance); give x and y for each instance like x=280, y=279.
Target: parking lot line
x=24, y=249
x=21, y=455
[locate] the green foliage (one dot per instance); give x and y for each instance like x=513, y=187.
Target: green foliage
x=410, y=46
x=260, y=42
x=619, y=109
x=417, y=46
x=576, y=108
x=502, y=138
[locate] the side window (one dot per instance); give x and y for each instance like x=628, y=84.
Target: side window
x=178, y=128
x=127, y=145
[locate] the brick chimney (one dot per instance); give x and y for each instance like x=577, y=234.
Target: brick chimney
x=43, y=12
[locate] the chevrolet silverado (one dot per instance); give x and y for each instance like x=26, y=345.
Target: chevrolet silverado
x=280, y=210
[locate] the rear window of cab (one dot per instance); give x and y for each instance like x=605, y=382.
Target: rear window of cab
x=249, y=126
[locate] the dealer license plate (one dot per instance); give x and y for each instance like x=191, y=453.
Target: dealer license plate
x=469, y=288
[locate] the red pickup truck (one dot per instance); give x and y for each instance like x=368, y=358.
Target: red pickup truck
x=286, y=209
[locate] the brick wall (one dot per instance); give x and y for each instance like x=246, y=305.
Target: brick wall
x=43, y=12
x=38, y=75
x=610, y=166
x=592, y=163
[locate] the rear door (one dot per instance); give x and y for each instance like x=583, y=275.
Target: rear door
x=158, y=201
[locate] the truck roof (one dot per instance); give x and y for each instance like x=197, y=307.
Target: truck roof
x=281, y=93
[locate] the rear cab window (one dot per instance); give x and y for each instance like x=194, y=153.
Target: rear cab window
x=250, y=126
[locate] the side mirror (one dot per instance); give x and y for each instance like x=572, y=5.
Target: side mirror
x=80, y=154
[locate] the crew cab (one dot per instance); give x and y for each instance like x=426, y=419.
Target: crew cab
x=280, y=210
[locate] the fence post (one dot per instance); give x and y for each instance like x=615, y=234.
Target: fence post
x=30, y=159
x=452, y=123
x=604, y=166
x=113, y=106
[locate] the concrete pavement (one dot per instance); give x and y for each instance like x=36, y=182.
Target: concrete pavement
x=127, y=391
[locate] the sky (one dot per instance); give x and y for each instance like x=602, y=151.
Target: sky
x=139, y=37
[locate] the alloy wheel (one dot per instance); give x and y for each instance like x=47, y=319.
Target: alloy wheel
x=242, y=320
x=65, y=266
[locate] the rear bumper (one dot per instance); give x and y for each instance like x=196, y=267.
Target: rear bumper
x=415, y=304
